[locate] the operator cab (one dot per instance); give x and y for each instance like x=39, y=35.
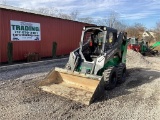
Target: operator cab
x=96, y=41
x=111, y=38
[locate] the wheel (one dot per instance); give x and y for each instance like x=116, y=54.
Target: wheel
x=154, y=52
x=68, y=66
x=110, y=78
x=121, y=73
x=144, y=54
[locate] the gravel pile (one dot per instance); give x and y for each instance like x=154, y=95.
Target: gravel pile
x=135, y=59
x=137, y=98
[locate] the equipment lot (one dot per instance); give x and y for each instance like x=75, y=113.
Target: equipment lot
x=137, y=98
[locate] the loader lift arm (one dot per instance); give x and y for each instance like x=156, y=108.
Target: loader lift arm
x=155, y=45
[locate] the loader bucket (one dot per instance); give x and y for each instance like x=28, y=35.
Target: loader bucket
x=82, y=88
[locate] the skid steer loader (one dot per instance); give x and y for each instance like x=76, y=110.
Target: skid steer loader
x=97, y=65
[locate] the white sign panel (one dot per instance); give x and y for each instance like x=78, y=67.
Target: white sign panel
x=25, y=31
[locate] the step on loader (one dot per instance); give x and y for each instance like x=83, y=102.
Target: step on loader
x=97, y=65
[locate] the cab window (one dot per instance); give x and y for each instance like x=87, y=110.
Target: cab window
x=110, y=40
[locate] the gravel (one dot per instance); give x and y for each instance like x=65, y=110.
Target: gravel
x=137, y=98
x=135, y=59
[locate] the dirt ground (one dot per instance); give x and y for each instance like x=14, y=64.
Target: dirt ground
x=137, y=98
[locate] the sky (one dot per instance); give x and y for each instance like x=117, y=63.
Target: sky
x=146, y=12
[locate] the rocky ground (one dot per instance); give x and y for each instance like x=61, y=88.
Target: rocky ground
x=137, y=98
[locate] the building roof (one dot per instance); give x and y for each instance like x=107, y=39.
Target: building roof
x=149, y=33
x=32, y=12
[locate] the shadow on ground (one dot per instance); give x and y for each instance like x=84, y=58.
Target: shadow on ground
x=135, y=78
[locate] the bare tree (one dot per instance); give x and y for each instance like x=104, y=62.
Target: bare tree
x=157, y=26
x=86, y=20
x=120, y=26
x=64, y=16
x=136, y=30
x=140, y=27
x=74, y=15
x=112, y=21
x=49, y=11
x=131, y=31
x=58, y=13
x=109, y=20
x=157, y=31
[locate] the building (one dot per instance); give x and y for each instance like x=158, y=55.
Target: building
x=31, y=31
x=148, y=34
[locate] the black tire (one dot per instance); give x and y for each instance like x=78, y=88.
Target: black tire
x=121, y=73
x=110, y=78
x=144, y=54
x=155, y=52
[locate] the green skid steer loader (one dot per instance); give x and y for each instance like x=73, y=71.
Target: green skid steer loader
x=97, y=65
x=149, y=50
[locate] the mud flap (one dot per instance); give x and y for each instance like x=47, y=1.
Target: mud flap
x=83, y=88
